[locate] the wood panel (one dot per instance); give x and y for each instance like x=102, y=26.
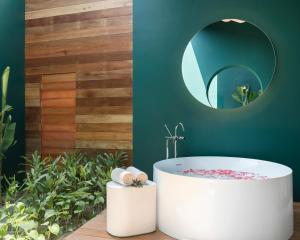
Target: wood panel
x=78, y=75
x=95, y=229
x=58, y=110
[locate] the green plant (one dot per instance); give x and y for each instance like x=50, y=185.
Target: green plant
x=244, y=95
x=111, y=161
x=17, y=224
x=60, y=193
x=7, y=126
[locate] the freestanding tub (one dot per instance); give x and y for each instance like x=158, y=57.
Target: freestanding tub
x=223, y=198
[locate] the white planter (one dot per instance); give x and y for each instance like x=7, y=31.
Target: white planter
x=130, y=210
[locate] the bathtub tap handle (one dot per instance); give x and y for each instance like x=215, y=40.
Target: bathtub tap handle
x=174, y=138
x=177, y=138
x=168, y=130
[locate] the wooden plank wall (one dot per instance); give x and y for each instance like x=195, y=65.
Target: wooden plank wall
x=78, y=75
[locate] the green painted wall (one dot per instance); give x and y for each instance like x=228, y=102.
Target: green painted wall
x=12, y=54
x=267, y=129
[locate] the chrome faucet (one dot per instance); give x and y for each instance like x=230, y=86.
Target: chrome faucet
x=174, y=138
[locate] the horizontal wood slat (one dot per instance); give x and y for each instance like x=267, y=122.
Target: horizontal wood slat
x=59, y=111
x=79, y=46
x=103, y=144
x=33, y=5
x=59, y=78
x=104, y=118
x=110, y=92
x=101, y=102
x=105, y=110
x=86, y=29
x=103, y=136
x=97, y=75
x=86, y=16
x=48, y=127
x=58, y=94
x=86, y=67
x=87, y=7
x=104, y=127
x=58, y=103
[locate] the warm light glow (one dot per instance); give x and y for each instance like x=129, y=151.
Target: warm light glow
x=233, y=20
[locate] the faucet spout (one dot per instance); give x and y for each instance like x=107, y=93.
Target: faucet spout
x=174, y=138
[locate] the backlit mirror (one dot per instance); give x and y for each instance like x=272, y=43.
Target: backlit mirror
x=228, y=64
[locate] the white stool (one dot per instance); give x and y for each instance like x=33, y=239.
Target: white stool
x=130, y=210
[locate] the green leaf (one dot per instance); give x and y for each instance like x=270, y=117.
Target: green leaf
x=21, y=207
x=7, y=108
x=54, y=229
x=8, y=136
x=41, y=237
x=28, y=225
x=5, y=77
x=236, y=97
x=45, y=223
x=99, y=200
x=49, y=213
x=3, y=229
x=33, y=234
x=9, y=237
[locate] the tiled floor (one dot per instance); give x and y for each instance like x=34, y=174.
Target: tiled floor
x=96, y=230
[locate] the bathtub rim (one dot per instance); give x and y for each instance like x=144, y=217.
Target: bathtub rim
x=156, y=168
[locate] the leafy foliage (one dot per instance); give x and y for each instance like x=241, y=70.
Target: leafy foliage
x=244, y=95
x=58, y=195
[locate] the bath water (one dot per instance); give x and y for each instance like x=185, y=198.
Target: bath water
x=221, y=174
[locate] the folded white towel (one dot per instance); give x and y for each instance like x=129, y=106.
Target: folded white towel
x=139, y=175
x=122, y=176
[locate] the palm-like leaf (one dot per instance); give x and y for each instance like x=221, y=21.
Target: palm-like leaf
x=5, y=78
x=7, y=126
x=8, y=135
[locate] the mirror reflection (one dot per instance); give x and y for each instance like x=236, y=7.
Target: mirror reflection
x=233, y=87
x=228, y=64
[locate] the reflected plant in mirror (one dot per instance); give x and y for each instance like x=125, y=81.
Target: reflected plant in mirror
x=228, y=64
x=244, y=95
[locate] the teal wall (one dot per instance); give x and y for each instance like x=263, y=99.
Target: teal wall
x=12, y=54
x=267, y=129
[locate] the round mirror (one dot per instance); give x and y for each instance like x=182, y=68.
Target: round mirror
x=228, y=64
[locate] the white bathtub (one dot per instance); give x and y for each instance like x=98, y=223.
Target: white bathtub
x=193, y=208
